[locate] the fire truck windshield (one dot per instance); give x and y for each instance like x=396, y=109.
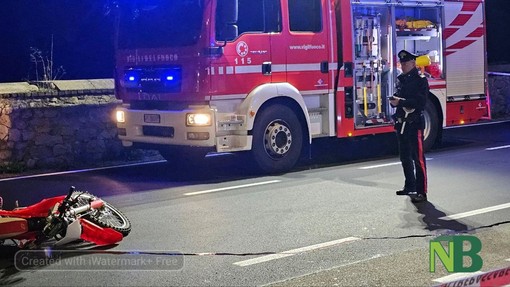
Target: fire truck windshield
x=159, y=23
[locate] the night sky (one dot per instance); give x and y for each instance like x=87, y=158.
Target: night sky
x=82, y=37
x=83, y=41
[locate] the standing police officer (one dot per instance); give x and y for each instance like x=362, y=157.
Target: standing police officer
x=410, y=99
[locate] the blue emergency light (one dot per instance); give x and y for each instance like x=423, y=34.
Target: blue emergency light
x=131, y=78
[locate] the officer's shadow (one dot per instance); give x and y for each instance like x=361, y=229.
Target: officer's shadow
x=434, y=219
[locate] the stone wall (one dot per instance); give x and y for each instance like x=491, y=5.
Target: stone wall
x=59, y=128
x=499, y=90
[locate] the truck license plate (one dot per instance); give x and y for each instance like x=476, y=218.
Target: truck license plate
x=151, y=118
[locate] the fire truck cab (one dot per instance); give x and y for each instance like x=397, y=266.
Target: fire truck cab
x=269, y=76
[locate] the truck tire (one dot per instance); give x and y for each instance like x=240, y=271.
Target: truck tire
x=431, y=131
x=277, y=139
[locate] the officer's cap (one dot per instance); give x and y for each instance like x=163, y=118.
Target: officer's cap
x=405, y=56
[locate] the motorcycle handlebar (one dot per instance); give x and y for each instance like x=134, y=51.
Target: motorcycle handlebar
x=98, y=203
x=71, y=190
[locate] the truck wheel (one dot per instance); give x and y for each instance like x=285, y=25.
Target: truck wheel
x=431, y=130
x=277, y=139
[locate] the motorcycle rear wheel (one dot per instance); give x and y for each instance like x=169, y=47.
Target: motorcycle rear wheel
x=106, y=216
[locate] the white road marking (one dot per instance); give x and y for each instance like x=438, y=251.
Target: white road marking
x=232, y=187
x=294, y=252
x=385, y=164
x=323, y=270
x=380, y=165
x=498, y=147
x=99, y=168
x=456, y=276
x=476, y=212
x=79, y=170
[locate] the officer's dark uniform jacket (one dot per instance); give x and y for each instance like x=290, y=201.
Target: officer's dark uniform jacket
x=414, y=89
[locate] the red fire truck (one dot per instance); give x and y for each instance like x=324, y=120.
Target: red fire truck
x=269, y=76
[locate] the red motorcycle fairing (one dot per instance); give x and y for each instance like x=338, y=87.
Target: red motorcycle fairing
x=11, y=227
x=97, y=234
x=39, y=209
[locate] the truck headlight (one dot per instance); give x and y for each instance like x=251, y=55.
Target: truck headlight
x=121, y=117
x=198, y=120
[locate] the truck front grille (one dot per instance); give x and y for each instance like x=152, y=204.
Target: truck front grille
x=155, y=131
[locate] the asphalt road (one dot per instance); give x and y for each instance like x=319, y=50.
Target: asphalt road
x=335, y=220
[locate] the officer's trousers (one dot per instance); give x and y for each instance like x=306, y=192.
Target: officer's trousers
x=412, y=156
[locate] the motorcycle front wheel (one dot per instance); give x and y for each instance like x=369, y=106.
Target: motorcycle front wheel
x=107, y=216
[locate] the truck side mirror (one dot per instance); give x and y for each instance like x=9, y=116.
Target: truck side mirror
x=226, y=20
x=228, y=33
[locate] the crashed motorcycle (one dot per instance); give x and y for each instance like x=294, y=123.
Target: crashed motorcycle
x=64, y=219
